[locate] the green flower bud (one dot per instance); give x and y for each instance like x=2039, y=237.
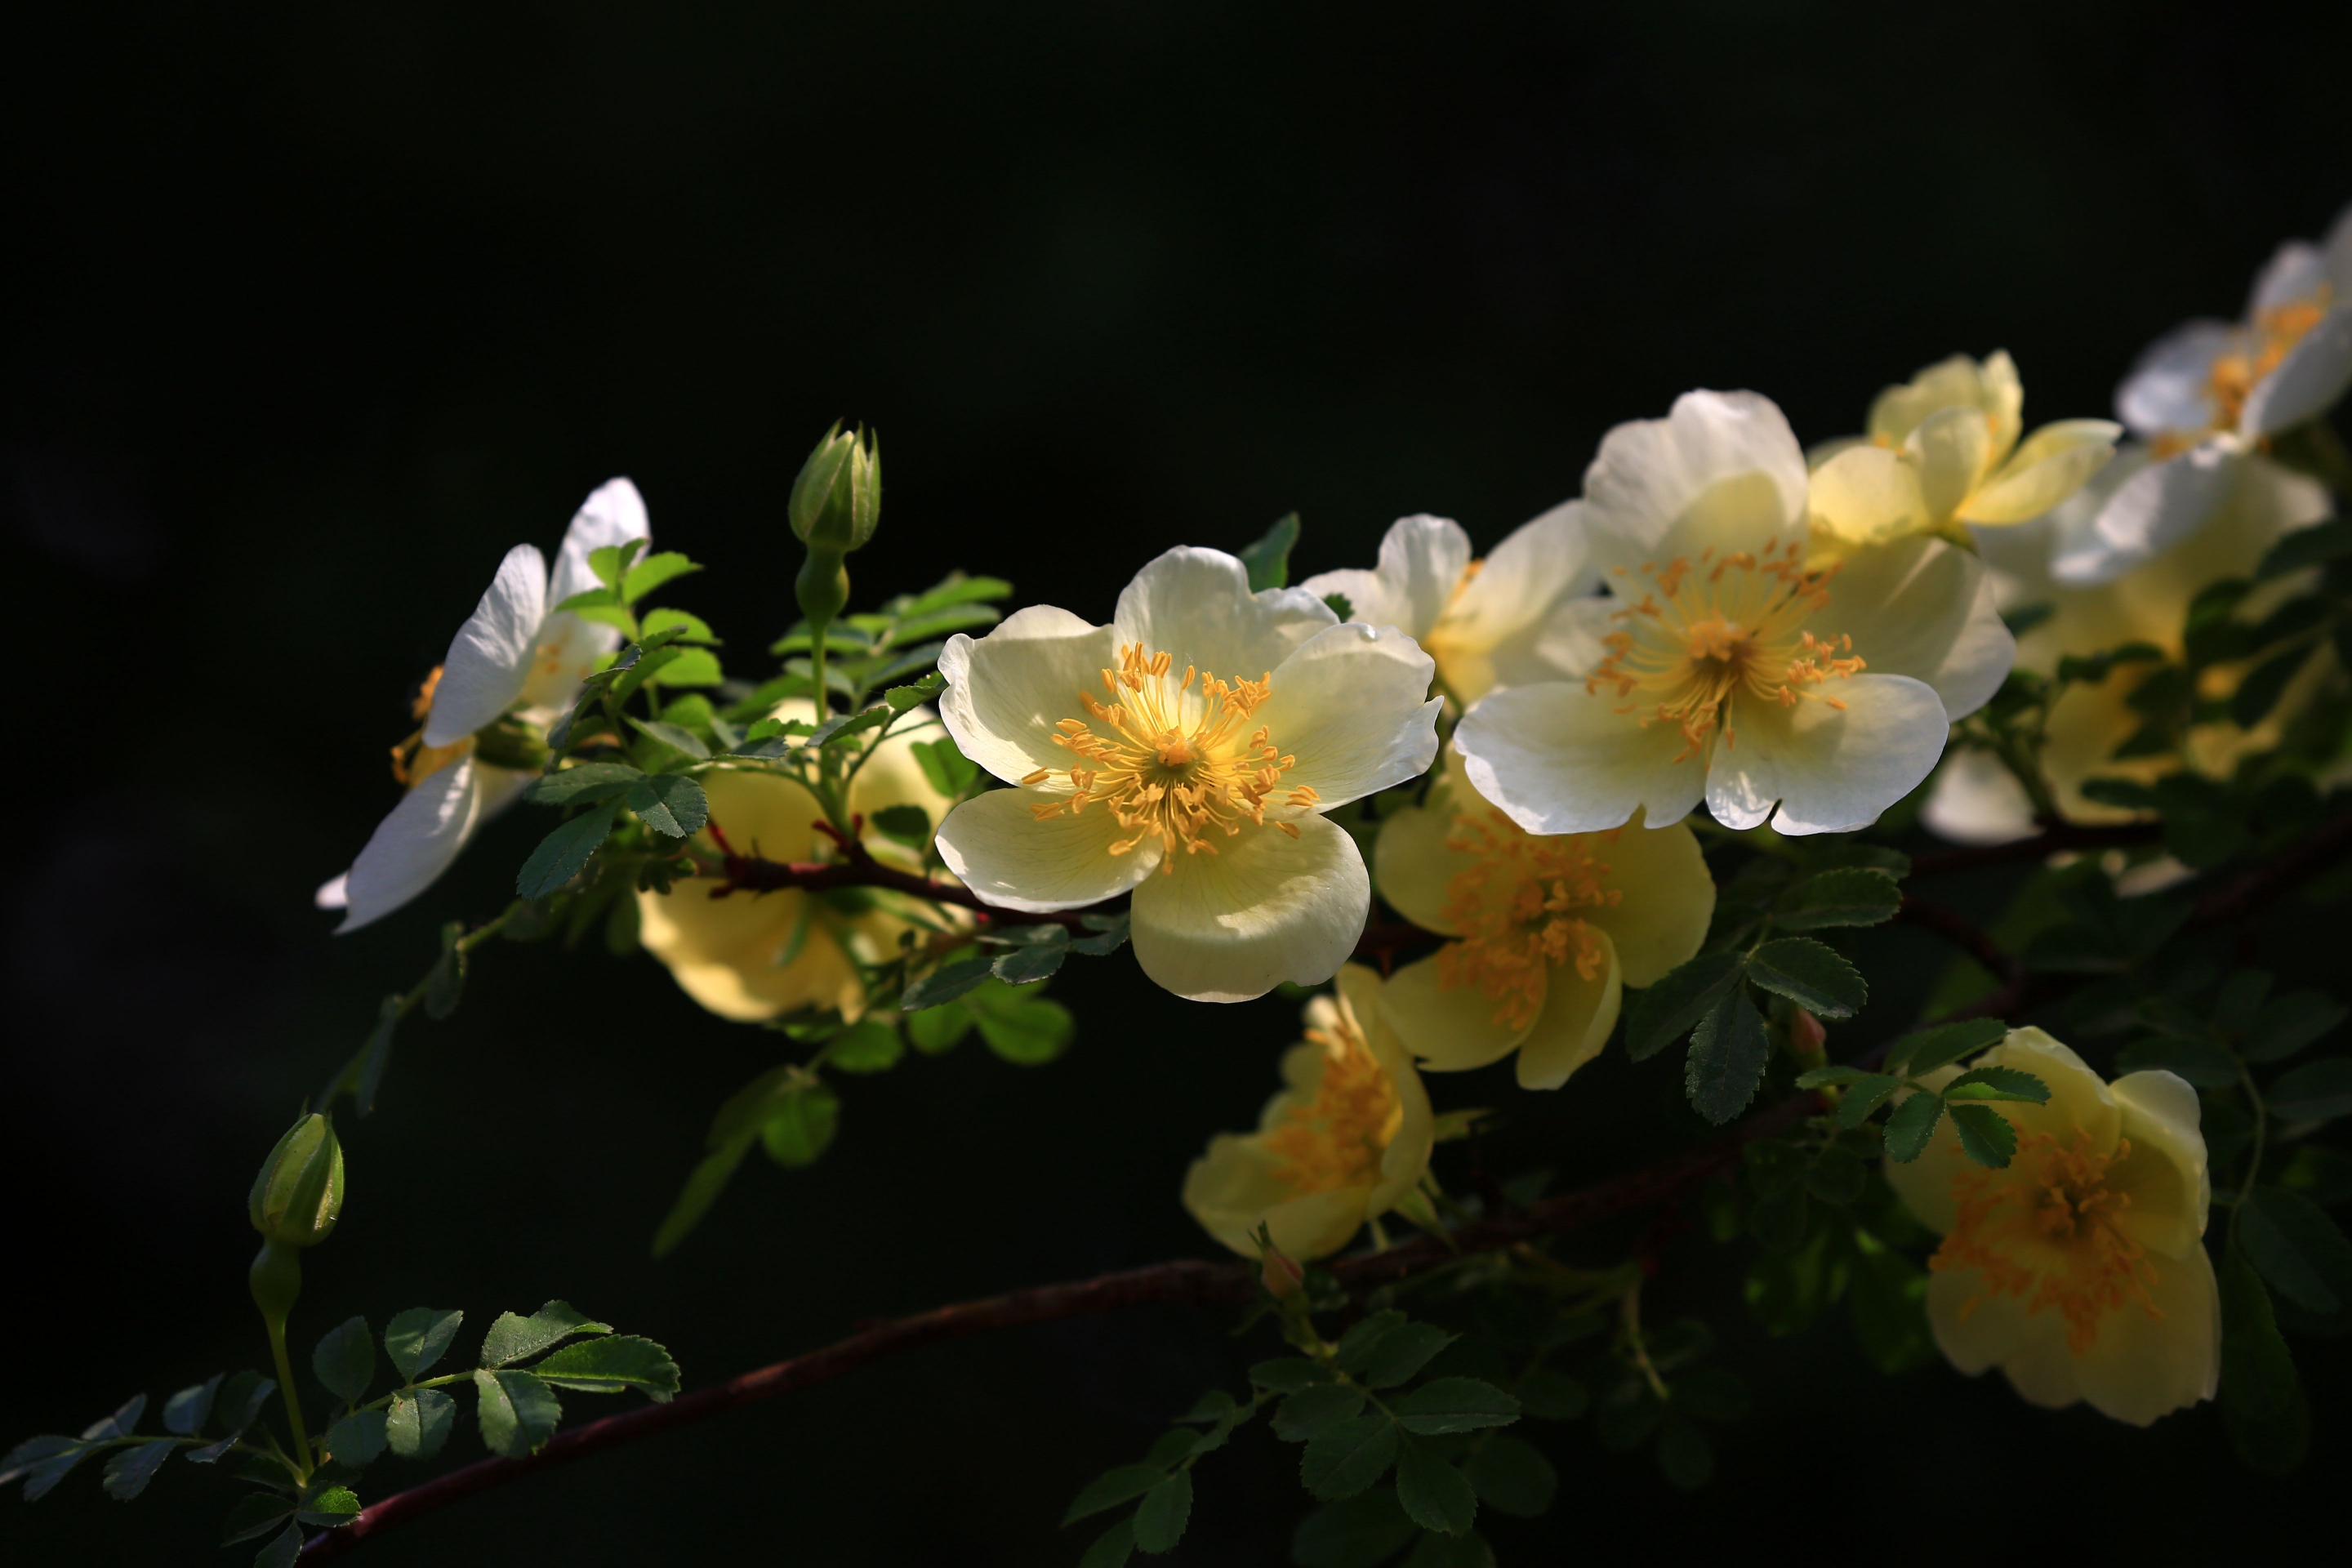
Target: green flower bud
x=299, y=1196
x=837, y=499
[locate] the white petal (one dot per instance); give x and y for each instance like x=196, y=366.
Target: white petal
x=1978, y=801
x=411, y=847
x=2153, y=509
x=1420, y=563
x=1558, y=759
x=1922, y=608
x=2170, y=389
x=1195, y=605
x=1265, y=909
x=1722, y=469
x=1007, y=691
x=2295, y=271
x=1353, y=706
x=489, y=659
x=1952, y=449
x=614, y=514
x=1493, y=630
x=564, y=655
x=2307, y=383
x=1009, y=859
x=334, y=895
x=1833, y=770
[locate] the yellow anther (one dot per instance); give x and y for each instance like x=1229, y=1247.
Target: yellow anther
x=1516, y=908
x=2045, y=1230
x=1337, y=1138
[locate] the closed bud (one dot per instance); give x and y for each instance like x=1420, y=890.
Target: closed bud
x=1282, y=1275
x=299, y=1196
x=1806, y=1032
x=838, y=499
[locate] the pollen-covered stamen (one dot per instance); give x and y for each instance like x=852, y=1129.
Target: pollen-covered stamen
x=1704, y=633
x=2045, y=1230
x=1337, y=1138
x=1174, y=759
x=2261, y=350
x=1517, y=911
x=414, y=762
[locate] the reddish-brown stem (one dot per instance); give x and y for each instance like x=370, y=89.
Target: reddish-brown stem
x=2055, y=838
x=857, y=868
x=1961, y=934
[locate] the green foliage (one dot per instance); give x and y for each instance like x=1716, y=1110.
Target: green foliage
x=514, y=1338
x=1268, y=559
x=416, y=1339
x=562, y=853
x=1727, y=1055
x=344, y=1360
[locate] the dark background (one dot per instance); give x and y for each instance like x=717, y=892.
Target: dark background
x=313, y=311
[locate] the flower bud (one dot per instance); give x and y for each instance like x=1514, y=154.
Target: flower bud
x=837, y=499
x=299, y=1196
x=1806, y=1032
x=1281, y=1273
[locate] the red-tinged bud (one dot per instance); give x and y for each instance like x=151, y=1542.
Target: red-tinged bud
x=1806, y=1034
x=1282, y=1275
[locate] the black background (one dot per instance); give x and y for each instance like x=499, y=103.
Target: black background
x=314, y=310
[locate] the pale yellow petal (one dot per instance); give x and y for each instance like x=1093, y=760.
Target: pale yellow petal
x=1864, y=495
x=1577, y=1017
x=1263, y=909
x=2055, y=462
x=730, y=953
x=2164, y=1174
x=1952, y=450
x=1411, y=865
x=2142, y=1365
x=1669, y=896
x=1451, y=1029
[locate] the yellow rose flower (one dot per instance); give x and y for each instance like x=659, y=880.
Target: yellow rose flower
x=2079, y=1269
x=1943, y=450
x=1346, y=1138
x=1548, y=929
x=752, y=956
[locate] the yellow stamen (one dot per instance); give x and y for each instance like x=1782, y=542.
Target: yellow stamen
x=2045, y=1230
x=2273, y=334
x=1336, y=1139
x=1514, y=908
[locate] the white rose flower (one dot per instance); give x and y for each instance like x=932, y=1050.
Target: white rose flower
x=1486, y=622
x=2208, y=395
x=1187, y=752
x=1721, y=667
x=515, y=654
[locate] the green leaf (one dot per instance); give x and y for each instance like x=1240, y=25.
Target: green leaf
x=1340, y=605
x=2200, y=1062
x=582, y=783
x=2297, y=1248
x=357, y=1439
x=1454, y=1404
x=908, y=825
x=1316, y=1407
x=1998, y=1083
x=1913, y=1124
x=1849, y=896
x=1035, y=959
x=1161, y=1517
x=1812, y=974
x=2263, y=685
x=923, y=627
x=945, y=984
x=1268, y=561
x=1512, y=1477
x=1111, y=1488
x=2287, y=1024
x=845, y=725
x=613, y=1364
x=130, y=1470
x=675, y=738
x=955, y=588
x=2306, y=547
x=419, y=1421
x=345, y=1358
x=1679, y=1000
x=2258, y=1374
x=1886, y=1299
x=562, y=854
x=1728, y=1052
x=939, y=1029
x=671, y=803
x=416, y=1339
x=703, y=1184
x=1433, y=1493
x=653, y=571
x=1549, y=1395
x=1931, y=1048
x=1863, y=1096
x=241, y=1399
x=517, y=1412
x=1400, y=1356
x=1112, y=1547
x=1985, y=1135
x=1343, y=1460
x=1358, y=1532
x=1110, y=934
x=903, y=698
x=184, y=1412
x=689, y=627
x=42, y=1462
x=333, y=1507
x=867, y=1046
x=1289, y=1375
x=2316, y=1092
x=255, y=1513
x=513, y=1338
x=282, y=1552
x=445, y=984
x=803, y=1127
x=1027, y=1031
x=948, y=770
x=1356, y=1346
x=611, y=560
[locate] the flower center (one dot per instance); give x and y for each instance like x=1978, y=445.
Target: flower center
x=414, y=762
x=2044, y=1230
x=1336, y=1139
x=1175, y=760
x=2273, y=334
x=1514, y=908
x=1704, y=634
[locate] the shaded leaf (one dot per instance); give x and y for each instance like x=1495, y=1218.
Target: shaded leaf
x=803, y=1127
x=1913, y=1124
x=945, y=984
x=1161, y=1517
x=908, y=825
x=127, y=1473
x=1728, y=1053
x=1316, y=1407
x=562, y=854
x=257, y=1513
x=610, y=1365
x=1267, y=558
x=417, y=1338
x=359, y=1438
x=1848, y=896
x=2316, y=1092
x=1679, y=1001
x=1343, y=1460
x=703, y=1184
x=1812, y=974
x=1433, y=1493
x=583, y=784
x=1512, y=1476
x=517, y=1411
x=2297, y=1248
x=1113, y=1547
x=1998, y=1083
x=1931, y=1048
x=1111, y=1488
x=1357, y=1532
x=417, y=1423
x=184, y=1412
x=1454, y=1404
x=514, y=1338
x=671, y=803
x=345, y=1358
x=1400, y=1356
